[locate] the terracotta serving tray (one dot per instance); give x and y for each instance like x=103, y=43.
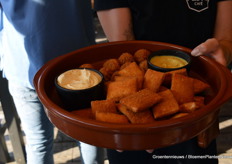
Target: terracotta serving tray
x=131, y=136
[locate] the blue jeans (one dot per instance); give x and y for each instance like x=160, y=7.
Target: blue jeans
x=91, y=154
x=39, y=130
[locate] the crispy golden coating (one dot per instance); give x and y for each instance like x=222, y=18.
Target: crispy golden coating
x=162, y=88
x=121, y=88
x=167, y=106
x=182, y=88
x=103, y=106
x=153, y=80
x=141, y=100
x=136, y=94
x=111, y=118
x=136, y=117
x=168, y=75
x=87, y=66
x=141, y=55
x=121, y=78
x=111, y=65
x=200, y=100
x=125, y=65
x=106, y=73
x=178, y=115
x=131, y=70
x=143, y=65
x=189, y=107
x=125, y=57
x=138, y=79
x=199, y=86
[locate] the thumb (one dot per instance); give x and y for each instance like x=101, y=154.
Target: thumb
x=206, y=47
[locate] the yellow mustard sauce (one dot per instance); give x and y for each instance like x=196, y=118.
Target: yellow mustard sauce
x=168, y=61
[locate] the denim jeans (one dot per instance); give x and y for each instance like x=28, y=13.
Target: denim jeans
x=39, y=130
x=37, y=127
x=91, y=154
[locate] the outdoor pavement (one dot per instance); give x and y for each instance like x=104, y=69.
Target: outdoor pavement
x=66, y=150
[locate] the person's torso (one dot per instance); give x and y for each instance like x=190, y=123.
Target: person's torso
x=183, y=22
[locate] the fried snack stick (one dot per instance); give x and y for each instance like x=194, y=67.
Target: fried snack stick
x=167, y=106
x=182, y=88
x=132, y=70
x=153, y=80
x=199, y=86
x=141, y=100
x=136, y=117
x=103, y=106
x=178, y=115
x=200, y=100
x=189, y=107
x=168, y=75
x=121, y=78
x=111, y=118
x=119, y=89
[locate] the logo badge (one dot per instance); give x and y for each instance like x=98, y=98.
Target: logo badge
x=198, y=5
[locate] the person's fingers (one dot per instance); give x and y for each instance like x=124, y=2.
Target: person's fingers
x=205, y=48
x=210, y=48
x=119, y=151
x=218, y=56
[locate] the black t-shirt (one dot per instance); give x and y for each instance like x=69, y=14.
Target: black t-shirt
x=183, y=22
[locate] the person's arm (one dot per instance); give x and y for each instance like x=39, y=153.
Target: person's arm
x=219, y=47
x=116, y=24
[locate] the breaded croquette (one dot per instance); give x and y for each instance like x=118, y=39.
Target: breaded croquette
x=141, y=55
x=125, y=57
x=107, y=74
x=143, y=65
x=111, y=65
